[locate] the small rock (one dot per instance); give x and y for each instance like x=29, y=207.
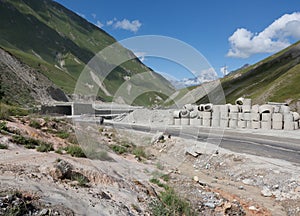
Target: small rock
x=210, y=205
x=227, y=205
x=297, y=189
x=196, y=178
x=157, y=137
x=252, y=208
x=275, y=187
x=266, y=192
x=43, y=212
x=248, y=181
x=241, y=187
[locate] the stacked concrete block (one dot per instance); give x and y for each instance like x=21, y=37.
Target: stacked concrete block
x=255, y=117
x=233, y=115
x=224, y=116
x=194, y=118
x=206, y=119
x=277, y=121
x=176, y=117
x=266, y=121
x=185, y=117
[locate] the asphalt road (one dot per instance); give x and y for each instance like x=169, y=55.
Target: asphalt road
x=287, y=149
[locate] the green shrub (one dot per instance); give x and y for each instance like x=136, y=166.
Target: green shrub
x=35, y=124
x=139, y=152
x=45, y=147
x=63, y=134
x=3, y=126
x=74, y=151
x=3, y=146
x=81, y=179
x=27, y=142
x=6, y=111
x=59, y=150
x=119, y=149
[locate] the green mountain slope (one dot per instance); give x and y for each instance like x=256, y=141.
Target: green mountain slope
x=59, y=43
x=276, y=79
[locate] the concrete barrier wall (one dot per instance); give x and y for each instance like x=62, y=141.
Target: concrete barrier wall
x=241, y=115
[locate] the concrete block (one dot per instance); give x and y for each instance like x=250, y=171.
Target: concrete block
x=206, y=122
x=248, y=124
x=266, y=125
x=277, y=125
x=216, y=115
x=285, y=109
x=266, y=109
x=255, y=108
x=185, y=121
x=288, y=126
x=276, y=109
x=246, y=108
x=288, y=117
x=195, y=121
x=177, y=121
x=224, y=123
x=224, y=108
x=176, y=114
x=200, y=114
x=277, y=117
x=216, y=108
x=224, y=115
x=247, y=116
x=255, y=117
x=215, y=122
x=233, y=123
x=255, y=124
x=242, y=124
x=206, y=115
x=233, y=116
x=234, y=108
x=240, y=116
x=266, y=117
x=296, y=125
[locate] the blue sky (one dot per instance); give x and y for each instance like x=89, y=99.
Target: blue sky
x=231, y=32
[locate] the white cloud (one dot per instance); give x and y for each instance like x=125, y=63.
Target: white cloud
x=110, y=22
x=99, y=24
x=128, y=25
x=224, y=70
x=275, y=37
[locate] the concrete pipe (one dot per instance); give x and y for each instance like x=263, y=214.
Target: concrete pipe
x=285, y=109
x=288, y=126
x=233, y=123
x=234, y=109
x=194, y=114
x=255, y=117
x=242, y=124
x=177, y=121
x=277, y=125
x=176, y=114
x=266, y=117
x=233, y=116
x=206, y=115
x=208, y=107
x=288, y=117
x=255, y=108
x=184, y=114
x=195, y=121
x=215, y=122
x=224, y=123
x=240, y=101
x=266, y=109
x=277, y=117
x=201, y=107
x=266, y=125
x=255, y=124
x=296, y=116
x=188, y=107
x=206, y=122
x=185, y=121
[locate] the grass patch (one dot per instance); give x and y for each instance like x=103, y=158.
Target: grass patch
x=63, y=134
x=35, y=124
x=3, y=146
x=27, y=142
x=3, y=126
x=139, y=152
x=119, y=149
x=45, y=147
x=81, y=179
x=7, y=110
x=75, y=151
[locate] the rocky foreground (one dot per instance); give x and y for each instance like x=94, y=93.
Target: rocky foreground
x=45, y=171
